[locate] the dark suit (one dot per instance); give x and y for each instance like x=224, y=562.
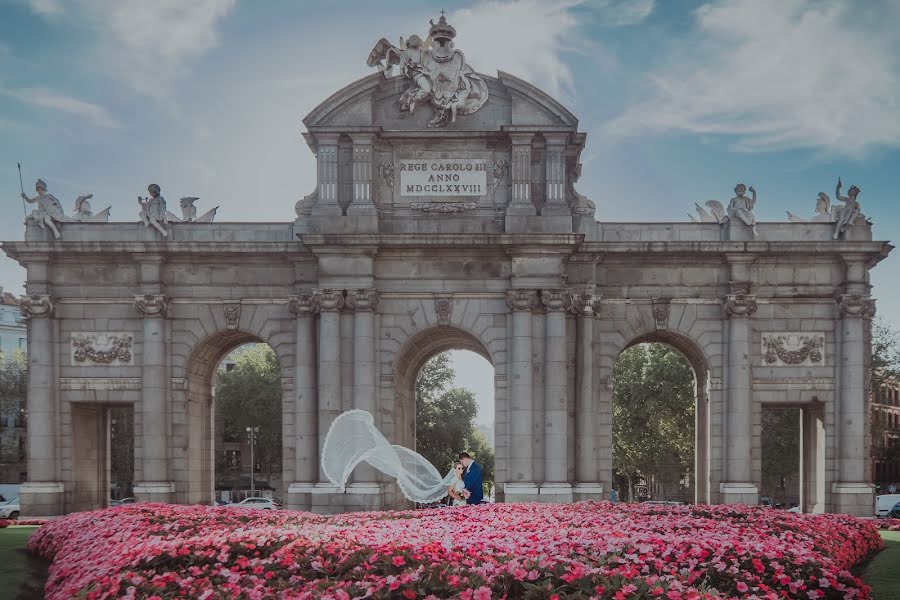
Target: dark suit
x=474, y=483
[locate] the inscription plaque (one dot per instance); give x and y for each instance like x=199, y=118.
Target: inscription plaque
x=443, y=177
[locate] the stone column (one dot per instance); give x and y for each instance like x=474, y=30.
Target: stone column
x=813, y=459
x=327, y=163
x=556, y=484
x=520, y=204
x=587, y=479
x=306, y=408
x=521, y=485
x=42, y=494
x=155, y=485
x=555, y=192
x=852, y=492
x=329, y=303
x=738, y=486
x=364, y=302
x=362, y=175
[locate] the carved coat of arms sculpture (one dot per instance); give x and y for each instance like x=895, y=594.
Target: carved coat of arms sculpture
x=438, y=72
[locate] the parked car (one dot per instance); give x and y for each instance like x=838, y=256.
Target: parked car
x=770, y=502
x=664, y=502
x=222, y=502
x=123, y=501
x=10, y=510
x=885, y=503
x=261, y=503
x=895, y=512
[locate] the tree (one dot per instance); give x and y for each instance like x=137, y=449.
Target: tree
x=445, y=420
x=13, y=386
x=249, y=395
x=653, y=416
x=780, y=448
x=121, y=448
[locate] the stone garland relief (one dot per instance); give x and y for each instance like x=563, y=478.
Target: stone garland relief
x=793, y=349
x=107, y=349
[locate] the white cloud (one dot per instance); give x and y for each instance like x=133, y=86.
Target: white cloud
x=147, y=44
x=622, y=13
x=45, y=98
x=46, y=7
x=526, y=38
x=778, y=75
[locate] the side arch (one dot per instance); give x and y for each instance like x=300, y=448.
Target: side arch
x=198, y=348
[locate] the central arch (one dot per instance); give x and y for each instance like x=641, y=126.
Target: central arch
x=409, y=361
x=199, y=408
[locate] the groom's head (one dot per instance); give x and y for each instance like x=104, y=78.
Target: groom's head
x=465, y=459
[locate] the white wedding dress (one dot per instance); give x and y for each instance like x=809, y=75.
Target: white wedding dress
x=353, y=439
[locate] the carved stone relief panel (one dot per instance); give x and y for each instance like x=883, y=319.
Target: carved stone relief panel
x=792, y=349
x=112, y=349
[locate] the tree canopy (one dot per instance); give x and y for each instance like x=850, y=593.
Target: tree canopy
x=249, y=395
x=653, y=414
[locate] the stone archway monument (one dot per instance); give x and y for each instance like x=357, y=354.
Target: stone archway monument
x=444, y=215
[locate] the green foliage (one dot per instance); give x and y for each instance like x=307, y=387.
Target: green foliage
x=780, y=448
x=653, y=414
x=445, y=419
x=13, y=387
x=885, y=363
x=121, y=444
x=250, y=396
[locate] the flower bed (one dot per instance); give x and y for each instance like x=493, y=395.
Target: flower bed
x=589, y=549
x=889, y=524
x=8, y=522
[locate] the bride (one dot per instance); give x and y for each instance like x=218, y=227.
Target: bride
x=457, y=489
x=353, y=439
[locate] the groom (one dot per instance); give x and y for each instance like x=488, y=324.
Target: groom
x=472, y=479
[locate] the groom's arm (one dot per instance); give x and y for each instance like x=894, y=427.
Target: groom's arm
x=474, y=479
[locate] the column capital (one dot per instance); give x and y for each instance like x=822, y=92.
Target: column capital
x=521, y=300
x=301, y=305
x=36, y=305
x=857, y=305
x=328, y=299
x=586, y=305
x=151, y=305
x=559, y=300
x=740, y=305
x=363, y=299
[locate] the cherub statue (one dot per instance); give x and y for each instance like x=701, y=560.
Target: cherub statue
x=741, y=207
x=823, y=211
x=49, y=211
x=845, y=216
x=153, y=210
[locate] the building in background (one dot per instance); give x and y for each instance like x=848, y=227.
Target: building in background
x=13, y=339
x=886, y=437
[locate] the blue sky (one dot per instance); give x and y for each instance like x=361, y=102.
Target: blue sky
x=680, y=100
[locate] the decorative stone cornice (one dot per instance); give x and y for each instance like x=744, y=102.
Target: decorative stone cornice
x=36, y=305
x=556, y=300
x=586, y=305
x=661, y=312
x=443, y=307
x=328, y=299
x=301, y=306
x=365, y=299
x=857, y=305
x=521, y=300
x=740, y=305
x=151, y=305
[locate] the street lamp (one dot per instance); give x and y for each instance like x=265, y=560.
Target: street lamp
x=251, y=435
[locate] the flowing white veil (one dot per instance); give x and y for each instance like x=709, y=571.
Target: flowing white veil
x=353, y=439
